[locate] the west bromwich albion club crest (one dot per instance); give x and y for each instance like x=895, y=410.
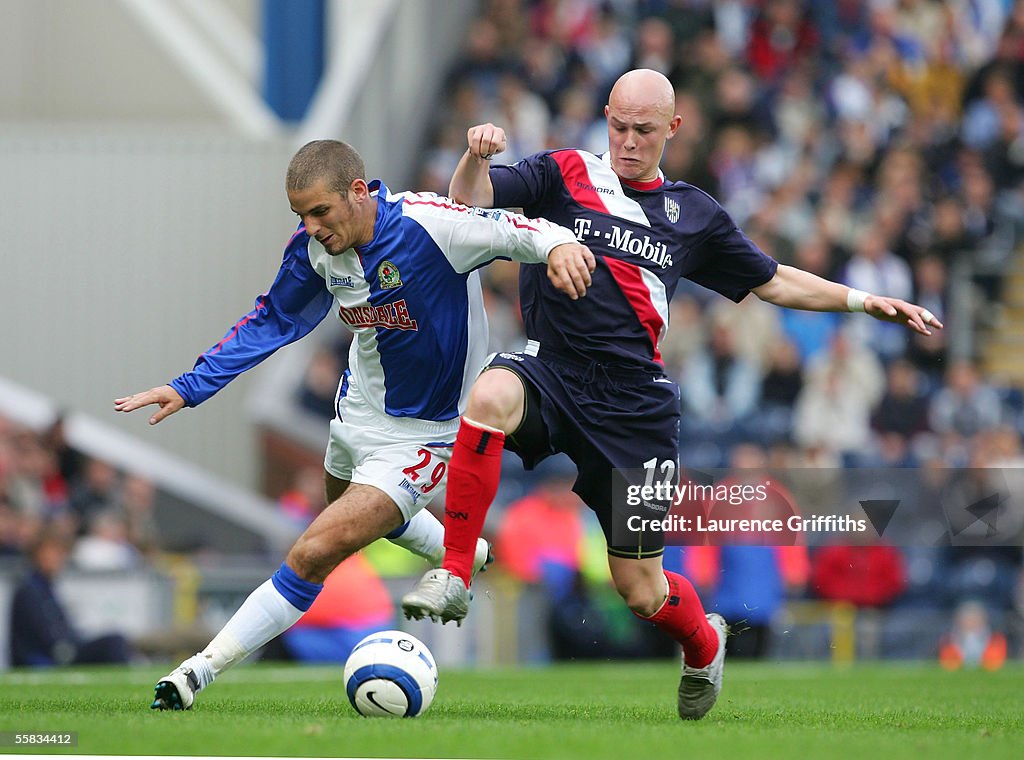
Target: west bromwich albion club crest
x=672, y=209
x=388, y=275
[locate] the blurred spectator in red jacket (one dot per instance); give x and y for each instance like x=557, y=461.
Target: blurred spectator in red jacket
x=867, y=576
x=781, y=36
x=540, y=539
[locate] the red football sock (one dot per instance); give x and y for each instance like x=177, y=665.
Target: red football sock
x=682, y=617
x=473, y=475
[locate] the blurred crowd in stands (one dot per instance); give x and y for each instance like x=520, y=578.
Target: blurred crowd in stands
x=60, y=510
x=105, y=516
x=879, y=143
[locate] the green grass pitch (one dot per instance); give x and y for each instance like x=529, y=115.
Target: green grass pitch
x=618, y=711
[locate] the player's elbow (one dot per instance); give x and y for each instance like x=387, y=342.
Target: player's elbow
x=465, y=198
x=459, y=198
x=480, y=196
x=772, y=291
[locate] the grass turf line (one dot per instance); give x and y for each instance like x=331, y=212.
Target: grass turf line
x=565, y=711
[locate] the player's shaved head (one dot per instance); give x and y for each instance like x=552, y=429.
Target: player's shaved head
x=332, y=160
x=643, y=90
x=641, y=117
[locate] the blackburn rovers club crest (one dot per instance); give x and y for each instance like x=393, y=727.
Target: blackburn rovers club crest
x=388, y=275
x=672, y=209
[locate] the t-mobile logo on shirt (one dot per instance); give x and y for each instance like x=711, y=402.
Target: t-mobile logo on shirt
x=623, y=240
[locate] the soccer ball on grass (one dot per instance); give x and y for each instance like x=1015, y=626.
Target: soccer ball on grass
x=390, y=674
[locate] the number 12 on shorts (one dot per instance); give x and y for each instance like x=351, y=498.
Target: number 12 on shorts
x=667, y=468
x=418, y=471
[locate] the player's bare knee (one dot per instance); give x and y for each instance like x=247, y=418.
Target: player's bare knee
x=642, y=598
x=307, y=563
x=642, y=592
x=314, y=557
x=497, y=400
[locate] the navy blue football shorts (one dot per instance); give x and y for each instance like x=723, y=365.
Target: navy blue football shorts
x=615, y=424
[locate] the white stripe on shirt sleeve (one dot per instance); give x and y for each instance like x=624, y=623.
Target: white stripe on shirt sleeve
x=471, y=237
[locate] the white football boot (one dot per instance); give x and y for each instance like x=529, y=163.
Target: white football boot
x=176, y=690
x=440, y=596
x=483, y=557
x=428, y=599
x=700, y=687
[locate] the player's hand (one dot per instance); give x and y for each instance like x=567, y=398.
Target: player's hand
x=917, y=318
x=168, y=399
x=569, y=268
x=486, y=140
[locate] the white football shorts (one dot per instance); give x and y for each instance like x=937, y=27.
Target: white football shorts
x=405, y=458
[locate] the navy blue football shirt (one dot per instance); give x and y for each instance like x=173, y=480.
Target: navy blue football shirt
x=645, y=238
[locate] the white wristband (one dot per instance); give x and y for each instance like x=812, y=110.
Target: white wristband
x=855, y=299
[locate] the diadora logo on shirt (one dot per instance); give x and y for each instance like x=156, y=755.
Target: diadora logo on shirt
x=342, y=282
x=594, y=188
x=623, y=240
x=394, y=316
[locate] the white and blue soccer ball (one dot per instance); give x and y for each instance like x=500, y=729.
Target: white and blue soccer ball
x=391, y=674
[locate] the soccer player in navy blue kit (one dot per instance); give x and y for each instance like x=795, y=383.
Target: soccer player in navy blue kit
x=591, y=382
x=399, y=269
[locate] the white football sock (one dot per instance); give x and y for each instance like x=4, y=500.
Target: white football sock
x=262, y=616
x=424, y=537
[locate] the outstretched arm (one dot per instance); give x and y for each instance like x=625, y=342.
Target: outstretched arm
x=471, y=237
x=295, y=303
x=796, y=289
x=471, y=183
